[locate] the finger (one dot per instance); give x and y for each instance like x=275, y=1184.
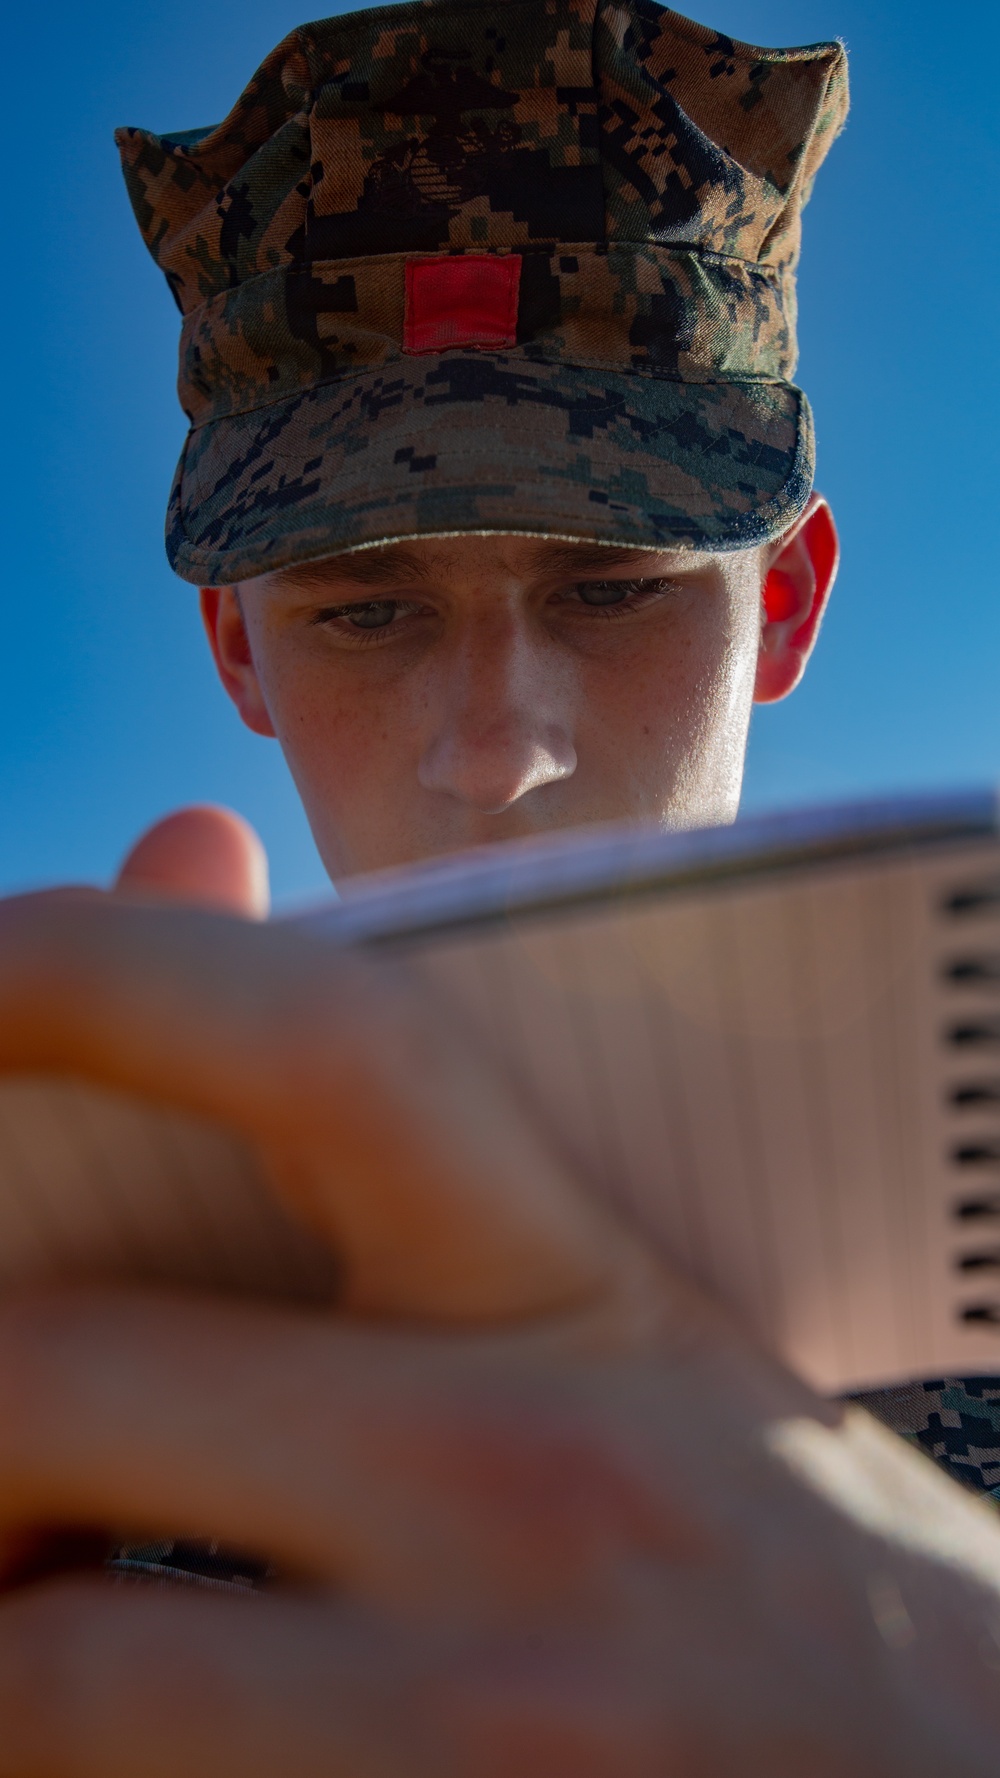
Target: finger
x=199, y=1419
x=410, y=1470
x=204, y=854
x=110, y=1681
x=373, y=1112
x=319, y=1448
x=117, y=1682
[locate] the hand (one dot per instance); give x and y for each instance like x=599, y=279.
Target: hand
x=558, y=1519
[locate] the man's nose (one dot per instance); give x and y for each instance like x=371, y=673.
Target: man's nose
x=500, y=725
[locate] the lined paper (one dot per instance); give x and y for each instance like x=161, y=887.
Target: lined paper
x=758, y=1075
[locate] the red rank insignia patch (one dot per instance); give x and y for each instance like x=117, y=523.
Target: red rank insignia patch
x=467, y=299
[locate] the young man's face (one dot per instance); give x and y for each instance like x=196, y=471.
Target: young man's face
x=439, y=694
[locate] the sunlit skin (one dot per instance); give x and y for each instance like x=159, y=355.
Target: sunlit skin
x=440, y=694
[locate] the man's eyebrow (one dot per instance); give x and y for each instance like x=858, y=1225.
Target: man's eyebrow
x=363, y=567
x=582, y=558
x=392, y=562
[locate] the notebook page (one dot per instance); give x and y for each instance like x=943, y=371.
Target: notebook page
x=796, y=1159
x=588, y=991
x=845, y=975
x=632, y=1042
x=774, y=1018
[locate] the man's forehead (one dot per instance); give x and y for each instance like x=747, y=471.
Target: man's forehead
x=530, y=557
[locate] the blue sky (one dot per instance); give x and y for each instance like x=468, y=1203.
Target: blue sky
x=109, y=713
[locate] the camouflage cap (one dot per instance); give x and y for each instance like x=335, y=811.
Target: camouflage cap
x=490, y=265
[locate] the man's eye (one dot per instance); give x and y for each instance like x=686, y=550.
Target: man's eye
x=605, y=592
x=619, y=592
x=365, y=616
x=375, y=614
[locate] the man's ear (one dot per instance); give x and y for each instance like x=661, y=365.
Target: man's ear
x=798, y=580
x=222, y=616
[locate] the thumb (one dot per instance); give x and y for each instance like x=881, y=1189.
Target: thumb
x=204, y=854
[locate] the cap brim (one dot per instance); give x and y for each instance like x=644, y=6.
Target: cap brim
x=471, y=442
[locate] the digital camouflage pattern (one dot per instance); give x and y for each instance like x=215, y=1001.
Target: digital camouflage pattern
x=955, y=1420
x=650, y=175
